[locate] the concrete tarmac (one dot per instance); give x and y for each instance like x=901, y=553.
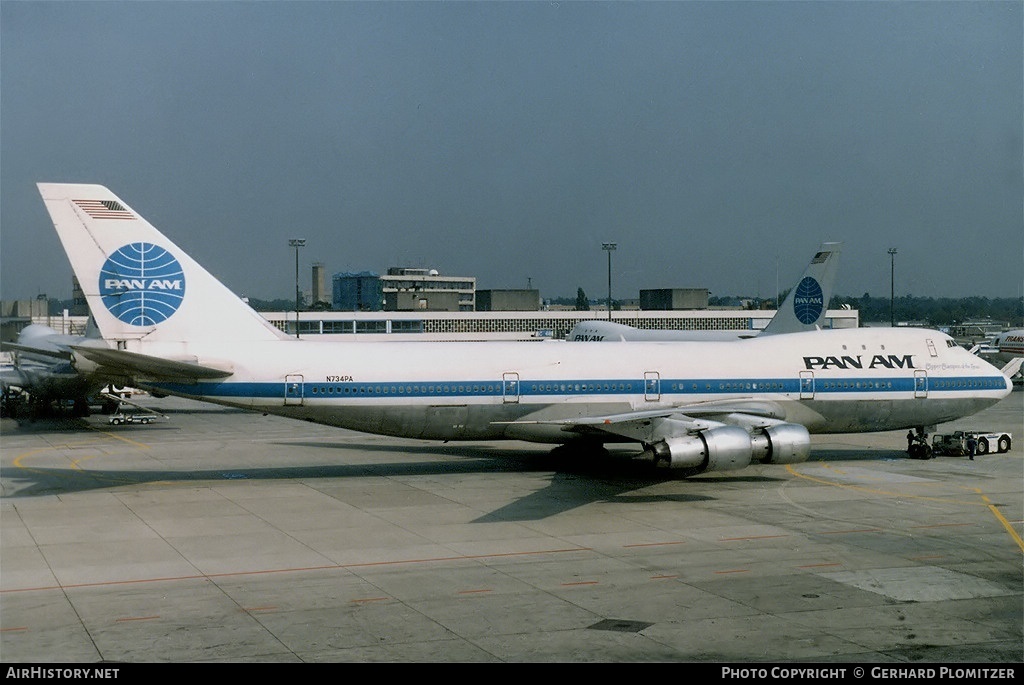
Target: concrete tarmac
x=223, y=536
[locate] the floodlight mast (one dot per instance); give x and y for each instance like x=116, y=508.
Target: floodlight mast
x=609, y=248
x=297, y=243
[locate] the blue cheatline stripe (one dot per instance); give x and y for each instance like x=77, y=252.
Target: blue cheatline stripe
x=600, y=388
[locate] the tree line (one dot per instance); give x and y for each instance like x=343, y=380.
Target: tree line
x=936, y=311
x=930, y=311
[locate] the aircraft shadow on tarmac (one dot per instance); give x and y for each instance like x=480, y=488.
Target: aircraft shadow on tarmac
x=566, y=491
x=574, y=481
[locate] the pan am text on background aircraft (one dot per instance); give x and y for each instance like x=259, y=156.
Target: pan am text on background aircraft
x=171, y=327
x=804, y=309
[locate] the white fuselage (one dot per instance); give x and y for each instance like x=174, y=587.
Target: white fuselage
x=1008, y=345
x=829, y=381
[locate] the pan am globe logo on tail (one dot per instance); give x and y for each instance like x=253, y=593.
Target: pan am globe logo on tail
x=808, y=301
x=142, y=284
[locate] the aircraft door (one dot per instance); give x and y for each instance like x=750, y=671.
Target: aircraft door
x=652, y=386
x=510, y=387
x=293, y=389
x=807, y=385
x=920, y=383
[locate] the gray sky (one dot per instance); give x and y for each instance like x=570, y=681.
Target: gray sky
x=718, y=143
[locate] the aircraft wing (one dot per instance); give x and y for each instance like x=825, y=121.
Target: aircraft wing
x=657, y=424
x=146, y=367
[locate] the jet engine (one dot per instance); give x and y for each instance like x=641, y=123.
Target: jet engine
x=784, y=443
x=718, y=449
x=725, y=448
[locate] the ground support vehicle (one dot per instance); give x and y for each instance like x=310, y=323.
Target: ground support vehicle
x=119, y=417
x=955, y=444
x=129, y=412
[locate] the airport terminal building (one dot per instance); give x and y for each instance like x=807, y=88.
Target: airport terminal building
x=519, y=325
x=421, y=304
x=535, y=325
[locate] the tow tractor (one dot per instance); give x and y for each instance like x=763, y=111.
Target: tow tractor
x=129, y=412
x=955, y=444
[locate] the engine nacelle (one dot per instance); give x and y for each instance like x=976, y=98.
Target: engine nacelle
x=719, y=449
x=785, y=443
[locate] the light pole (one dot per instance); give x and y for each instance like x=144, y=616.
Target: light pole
x=892, y=286
x=609, y=248
x=297, y=243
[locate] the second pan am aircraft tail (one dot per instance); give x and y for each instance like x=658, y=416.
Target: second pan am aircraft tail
x=173, y=328
x=804, y=309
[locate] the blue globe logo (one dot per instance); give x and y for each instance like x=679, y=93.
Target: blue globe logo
x=808, y=301
x=142, y=284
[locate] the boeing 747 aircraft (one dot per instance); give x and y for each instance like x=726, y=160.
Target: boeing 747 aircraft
x=173, y=328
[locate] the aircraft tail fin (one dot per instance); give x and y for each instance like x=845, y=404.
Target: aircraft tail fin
x=806, y=305
x=139, y=285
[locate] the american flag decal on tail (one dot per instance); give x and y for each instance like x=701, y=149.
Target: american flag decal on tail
x=104, y=209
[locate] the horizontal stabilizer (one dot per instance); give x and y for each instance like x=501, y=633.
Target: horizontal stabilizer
x=43, y=352
x=1012, y=367
x=145, y=367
